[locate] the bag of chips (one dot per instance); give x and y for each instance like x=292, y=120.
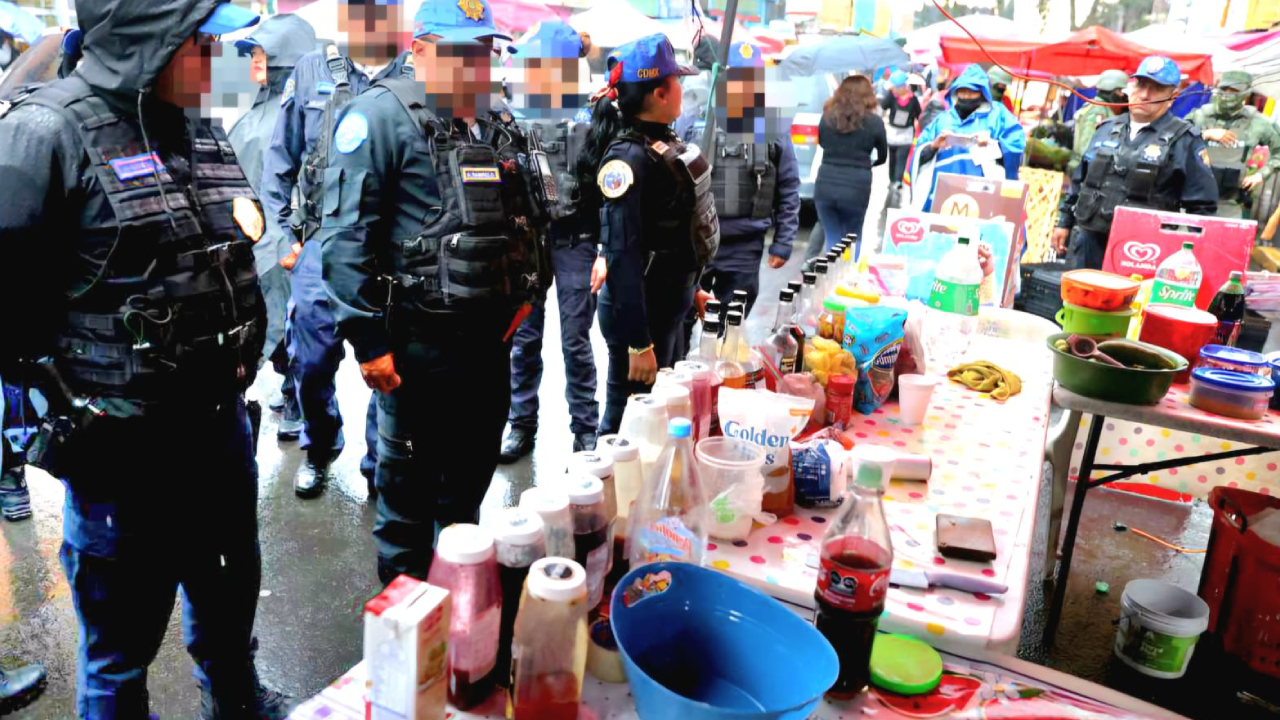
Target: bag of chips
x=874, y=335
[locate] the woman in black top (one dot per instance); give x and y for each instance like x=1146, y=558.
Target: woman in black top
x=850, y=130
x=901, y=111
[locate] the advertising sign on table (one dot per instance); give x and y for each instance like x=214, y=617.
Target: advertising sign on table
x=923, y=238
x=987, y=199
x=1141, y=240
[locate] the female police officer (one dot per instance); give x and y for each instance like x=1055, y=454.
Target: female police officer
x=658, y=226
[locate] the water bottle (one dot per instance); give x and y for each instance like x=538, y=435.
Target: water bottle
x=953, y=303
x=670, y=518
x=1178, y=278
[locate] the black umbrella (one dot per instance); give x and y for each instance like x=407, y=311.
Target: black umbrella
x=843, y=54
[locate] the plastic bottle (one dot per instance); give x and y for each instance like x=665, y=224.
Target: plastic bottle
x=739, y=298
x=552, y=505
x=1139, y=305
x=466, y=566
x=839, y=401
x=1228, y=307
x=679, y=400
x=752, y=364
x=550, y=645
x=806, y=317
x=628, y=482
x=953, y=303
x=518, y=540
x=590, y=531
x=670, y=519
x=731, y=372
x=703, y=384
x=853, y=580
x=822, y=288
x=1178, y=278
x=644, y=422
x=714, y=310
x=782, y=347
x=599, y=463
x=708, y=347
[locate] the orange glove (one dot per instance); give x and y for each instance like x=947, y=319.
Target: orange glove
x=380, y=374
x=288, y=261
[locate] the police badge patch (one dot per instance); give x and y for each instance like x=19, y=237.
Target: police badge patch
x=248, y=217
x=614, y=179
x=1204, y=157
x=473, y=9
x=351, y=132
x=287, y=95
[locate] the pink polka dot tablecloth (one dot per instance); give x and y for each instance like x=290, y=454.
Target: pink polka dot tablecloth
x=987, y=460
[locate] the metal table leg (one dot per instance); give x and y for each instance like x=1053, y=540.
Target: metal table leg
x=1059, y=452
x=1073, y=525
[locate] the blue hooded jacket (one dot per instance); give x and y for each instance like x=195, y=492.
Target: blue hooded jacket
x=990, y=117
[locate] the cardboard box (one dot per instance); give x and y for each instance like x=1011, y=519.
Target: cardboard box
x=923, y=238
x=1141, y=239
x=987, y=199
x=406, y=636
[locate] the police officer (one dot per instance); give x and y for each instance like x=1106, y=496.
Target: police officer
x=322, y=82
x=549, y=97
x=127, y=233
x=755, y=179
x=1232, y=130
x=274, y=47
x=432, y=257
x=658, y=223
x=999, y=80
x=1146, y=158
x=1111, y=84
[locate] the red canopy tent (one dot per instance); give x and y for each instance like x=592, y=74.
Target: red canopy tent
x=1085, y=52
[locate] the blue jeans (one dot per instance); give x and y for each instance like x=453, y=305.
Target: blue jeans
x=842, y=209
x=572, y=266
x=156, y=507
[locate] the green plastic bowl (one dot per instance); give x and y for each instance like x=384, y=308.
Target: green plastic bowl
x=1132, y=386
x=1094, y=323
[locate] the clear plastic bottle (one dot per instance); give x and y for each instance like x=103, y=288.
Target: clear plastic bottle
x=670, y=519
x=550, y=646
x=714, y=310
x=590, y=531
x=1178, y=278
x=628, y=481
x=953, y=303
x=465, y=564
x=518, y=540
x=552, y=505
x=823, y=286
x=703, y=386
x=708, y=349
x=679, y=400
x=599, y=463
x=644, y=422
x=857, y=553
x=782, y=346
x=731, y=372
x=740, y=298
x=807, y=305
x=752, y=363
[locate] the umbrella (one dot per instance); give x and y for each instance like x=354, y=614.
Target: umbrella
x=927, y=40
x=19, y=23
x=842, y=54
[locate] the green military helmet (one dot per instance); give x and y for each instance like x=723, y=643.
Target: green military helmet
x=1232, y=90
x=997, y=76
x=1112, y=80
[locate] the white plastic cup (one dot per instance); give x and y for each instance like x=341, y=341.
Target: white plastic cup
x=914, y=392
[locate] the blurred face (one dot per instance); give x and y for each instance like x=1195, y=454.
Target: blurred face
x=458, y=77
x=968, y=94
x=373, y=31
x=1156, y=96
x=743, y=92
x=185, y=81
x=548, y=85
x=258, y=65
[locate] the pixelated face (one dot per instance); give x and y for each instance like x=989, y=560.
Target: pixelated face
x=186, y=80
x=374, y=30
x=1156, y=97
x=458, y=76
x=547, y=88
x=748, y=107
x=258, y=65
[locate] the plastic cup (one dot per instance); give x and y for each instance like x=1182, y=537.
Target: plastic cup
x=914, y=392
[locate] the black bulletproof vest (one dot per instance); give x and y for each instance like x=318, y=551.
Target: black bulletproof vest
x=486, y=246
x=167, y=307
x=743, y=179
x=1128, y=174
x=686, y=224
x=311, y=179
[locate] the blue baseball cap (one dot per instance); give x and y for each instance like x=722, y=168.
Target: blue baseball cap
x=1159, y=70
x=898, y=78
x=456, y=20
x=553, y=40
x=743, y=54
x=649, y=58
x=228, y=18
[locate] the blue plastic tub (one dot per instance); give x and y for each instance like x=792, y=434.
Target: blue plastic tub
x=699, y=645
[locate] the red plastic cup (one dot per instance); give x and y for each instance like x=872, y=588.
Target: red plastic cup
x=1183, y=330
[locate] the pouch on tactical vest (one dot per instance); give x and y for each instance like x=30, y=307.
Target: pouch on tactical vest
x=1228, y=165
x=693, y=175
x=1127, y=175
x=311, y=181
x=744, y=179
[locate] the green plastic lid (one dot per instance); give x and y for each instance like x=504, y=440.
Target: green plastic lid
x=834, y=305
x=904, y=665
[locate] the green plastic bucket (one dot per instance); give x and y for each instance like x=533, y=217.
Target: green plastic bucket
x=1159, y=626
x=1094, y=323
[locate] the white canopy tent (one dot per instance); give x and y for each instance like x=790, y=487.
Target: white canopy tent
x=615, y=22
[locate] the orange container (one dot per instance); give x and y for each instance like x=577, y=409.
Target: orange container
x=1098, y=290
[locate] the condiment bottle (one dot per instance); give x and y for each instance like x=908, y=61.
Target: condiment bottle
x=590, y=531
x=731, y=372
x=517, y=537
x=552, y=505
x=679, y=401
x=465, y=565
x=702, y=398
x=627, y=481
x=670, y=518
x=644, y=422
x=600, y=464
x=839, y=401
x=550, y=648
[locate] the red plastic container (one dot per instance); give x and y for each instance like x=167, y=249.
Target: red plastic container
x=1098, y=290
x=1239, y=581
x=1183, y=330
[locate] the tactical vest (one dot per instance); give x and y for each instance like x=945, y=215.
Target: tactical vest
x=486, y=246
x=1228, y=165
x=167, y=308
x=1127, y=174
x=690, y=223
x=311, y=179
x=743, y=179
x=563, y=142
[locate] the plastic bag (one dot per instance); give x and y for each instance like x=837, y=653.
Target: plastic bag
x=874, y=335
x=820, y=468
x=769, y=420
x=732, y=509
x=914, y=356
x=804, y=385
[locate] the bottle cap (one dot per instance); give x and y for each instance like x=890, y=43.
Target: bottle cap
x=874, y=465
x=963, y=240
x=834, y=304
x=647, y=403
x=734, y=318
x=675, y=395
x=819, y=267
x=671, y=376
x=851, y=237
x=591, y=462
x=679, y=427
x=1188, y=245
x=557, y=579
x=740, y=296
x=517, y=526
x=622, y=449
x=711, y=324
x=840, y=385
x=584, y=489
x=545, y=500
x=464, y=544
x=737, y=307
x=795, y=285
x=787, y=295
x=696, y=370
x=1236, y=275
x=810, y=278
x=713, y=306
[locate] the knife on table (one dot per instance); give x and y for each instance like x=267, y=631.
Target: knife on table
x=923, y=579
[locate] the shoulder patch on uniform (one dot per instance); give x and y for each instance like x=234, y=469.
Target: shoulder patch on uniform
x=1204, y=156
x=614, y=179
x=287, y=95
x=351, y=133
x=248, y=217
x=660, y=147
x=325, y=88
x=136, y=166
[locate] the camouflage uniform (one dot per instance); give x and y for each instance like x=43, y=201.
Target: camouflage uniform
x=1091, y=116
x=1251, y=128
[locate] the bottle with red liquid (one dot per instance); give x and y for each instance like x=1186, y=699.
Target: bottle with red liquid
x=550, y=647
x=1228, y=307
x=517, y=536
x=465, y=564
x=854, y=575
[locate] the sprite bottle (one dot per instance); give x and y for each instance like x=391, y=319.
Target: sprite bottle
x=1178, y=278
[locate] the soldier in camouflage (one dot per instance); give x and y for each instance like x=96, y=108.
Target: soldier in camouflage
x=1110, y=90
x=1232, y=130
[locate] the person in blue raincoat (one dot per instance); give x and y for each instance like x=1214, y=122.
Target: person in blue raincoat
x=974, y=136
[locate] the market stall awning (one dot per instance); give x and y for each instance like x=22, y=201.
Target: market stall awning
x=926, y=41
x=1086, y=52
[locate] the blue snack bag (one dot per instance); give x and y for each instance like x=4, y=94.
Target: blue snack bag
x=874, y=335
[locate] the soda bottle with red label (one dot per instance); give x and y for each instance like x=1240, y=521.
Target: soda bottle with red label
x=854, y=574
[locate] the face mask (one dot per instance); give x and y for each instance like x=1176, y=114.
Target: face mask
x=1113, y=96
x=966, y=107
x=1228, y=103
x=997, y=92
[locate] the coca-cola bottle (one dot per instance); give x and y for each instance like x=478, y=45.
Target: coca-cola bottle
x=1228, y=307
x=854, y=575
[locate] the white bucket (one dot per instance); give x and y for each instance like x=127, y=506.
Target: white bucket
x=1159, y=626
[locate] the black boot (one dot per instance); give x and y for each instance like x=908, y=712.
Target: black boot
x=21, y=686
x=267, y=705
x=15, y=496
x=584, y=441
x=517, y=444
x=311, y=479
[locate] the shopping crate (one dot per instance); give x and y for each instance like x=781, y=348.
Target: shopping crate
x=1241, y=581
x=1041, y=289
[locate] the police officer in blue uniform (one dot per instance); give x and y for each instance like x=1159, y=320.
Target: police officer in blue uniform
x=658, y=223
x=1147, y=158
x=322, y=82
x=127, y=234
x=756, y=180
x=432, y=256
x=549, y=98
